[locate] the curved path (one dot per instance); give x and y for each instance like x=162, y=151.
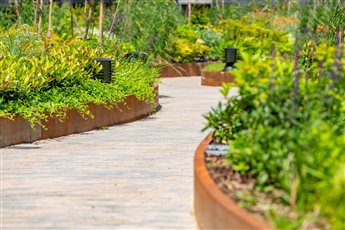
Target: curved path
x=137, y=175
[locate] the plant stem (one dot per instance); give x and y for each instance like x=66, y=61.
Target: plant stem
x=87, y=24
x=114, y=19
x=40, y=17
x=50, y=30
x=100, y=34
x=71, y=14
x=189, y=12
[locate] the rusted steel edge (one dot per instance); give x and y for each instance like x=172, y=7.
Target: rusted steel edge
x=212, y=208
x=182, y=69
x=216, y=78
x=19, y=131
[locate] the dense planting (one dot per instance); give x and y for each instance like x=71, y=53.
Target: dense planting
x=286, y=128
x=190, y=42
x=47, y=76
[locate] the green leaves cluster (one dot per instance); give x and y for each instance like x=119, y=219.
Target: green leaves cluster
x=27, y=66
x=251, y=37
x=287, y=129
x=186, y=44
x=47, y=76
x=190, y=41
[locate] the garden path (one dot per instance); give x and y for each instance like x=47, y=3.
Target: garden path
x=133, y=176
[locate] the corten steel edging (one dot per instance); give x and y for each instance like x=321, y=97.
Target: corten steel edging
x=19, y=130
x=212, y=208
x=216, y=78
x=182, y=69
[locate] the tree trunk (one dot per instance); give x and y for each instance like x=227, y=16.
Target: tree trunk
x=50, y=29
x=100, y=34
x=35, y=4
x=85, y=9
x=71, y=13
x=18, y=5
x=40, y=17
x=89, y=18
x=114, y=19
x=189, y=11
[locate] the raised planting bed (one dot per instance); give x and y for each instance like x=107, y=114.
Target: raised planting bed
x=18, y=130
x=182, y=69
x=212, y=208
x=216, y=78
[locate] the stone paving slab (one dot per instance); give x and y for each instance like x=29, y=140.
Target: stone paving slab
x=133, y=176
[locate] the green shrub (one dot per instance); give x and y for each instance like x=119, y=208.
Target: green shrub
x=45, y=77
x=286, y=128
x=252, y=37
x=185, y=44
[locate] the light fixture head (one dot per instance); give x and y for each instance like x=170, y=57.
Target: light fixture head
x=230, y=58
x=106, y=72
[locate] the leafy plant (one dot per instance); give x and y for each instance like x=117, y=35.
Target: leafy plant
x=48, y=76
x=185, y=44
x=286, y=128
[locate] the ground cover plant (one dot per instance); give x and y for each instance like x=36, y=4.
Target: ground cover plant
x=41, y=77
x=286, y=128
x=214, y=67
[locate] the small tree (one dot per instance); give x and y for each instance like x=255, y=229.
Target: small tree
x=100, y=35
x=40, y=17
x=89, y=17
x=18, y=5
x=50, y=29
x=189, y=11
x=111, y=30
x=35, y=5
x=71, y=13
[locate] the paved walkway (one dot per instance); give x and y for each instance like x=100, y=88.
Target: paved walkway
x=133, y=176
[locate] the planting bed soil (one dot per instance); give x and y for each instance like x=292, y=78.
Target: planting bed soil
x=233, y=184
x=182, y=69
x=224, y=198
x=213, y=209
x=216, y=78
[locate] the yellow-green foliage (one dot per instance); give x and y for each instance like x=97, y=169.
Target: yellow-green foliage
x=214, y=67
x=41, y=76
x=253, y=37
x=287, y=131
x=185, y=44
x=25, y=67
x=249, y=36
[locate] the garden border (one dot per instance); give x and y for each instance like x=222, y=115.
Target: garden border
x=19, y=131
x=216, y=78
x=182, y=69
x=212, y=208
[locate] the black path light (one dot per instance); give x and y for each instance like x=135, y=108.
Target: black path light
x=230, y=58
x=136, y=56
x=106, y=72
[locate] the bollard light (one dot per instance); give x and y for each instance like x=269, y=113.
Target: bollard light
x=106, y=72
x=230, y=58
